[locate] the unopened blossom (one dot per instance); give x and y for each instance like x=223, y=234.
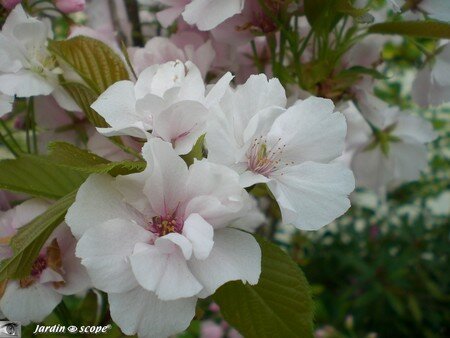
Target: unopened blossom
x=396, y=152
x=161, y=50
x=70, y=6
x=54, y=273
x=6, y=103
x=10, y=4
x=26, y=67
x=158, y=240
x=170, y=100
x=432, y=84
x=289, y=149
x=435, y=9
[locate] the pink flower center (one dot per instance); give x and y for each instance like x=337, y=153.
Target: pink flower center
x=163, y=225
x=39, y=265
x=263, y=160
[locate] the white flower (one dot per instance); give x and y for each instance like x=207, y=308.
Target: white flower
x=435, y=9
x=6, y=103
x=157, y=240
x=168, y=99
x=432, y=84
x=56, y=271
x=26, y=67
x=290, y=150
x=205, y=14
x=396, y=152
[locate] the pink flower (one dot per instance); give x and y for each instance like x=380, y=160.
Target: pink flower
x=70, y=6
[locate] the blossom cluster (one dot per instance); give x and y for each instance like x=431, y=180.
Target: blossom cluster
x=212, y=120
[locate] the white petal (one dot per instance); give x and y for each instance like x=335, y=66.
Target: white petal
x=166, y=274
x=140, y=311
x=33, y=303
x=207, y=14
x=97, y=201
x=414, y=129
x=372, y=169
x=213, y=192
x=409, y=160
x=6, y=103
x=25, y=84
x=310, y=131
x=311, y=195
x=104, y=251
x=117, y=105
x=249, y=178
x=218, y=90
x=235, y=256
x=165, y=186
x=200, y=233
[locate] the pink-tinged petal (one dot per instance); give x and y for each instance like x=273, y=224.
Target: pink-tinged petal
x=311, y=195
x=76, y=278
x=167, y=16
x=27, y=211
x=200, y=233
x=31, y=304
x=165, y=273
x=97, y=201
x=165, y=186
x=207, y=14
x=235, y=256
x=105, y=250
x=141, y=312
x=182, y=124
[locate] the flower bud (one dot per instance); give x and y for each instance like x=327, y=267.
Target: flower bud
x=70, y=6
x=10, y=4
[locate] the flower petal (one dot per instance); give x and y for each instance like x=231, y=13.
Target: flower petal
x=311, y=195
x=140, y=311
x=235, y=256
x=97, y=201
x=165, y=273
x=104, y=251
x=200, y=233
x=33, y=303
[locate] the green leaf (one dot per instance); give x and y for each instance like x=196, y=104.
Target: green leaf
x=84, y=97
x=314, y=10
x=420, y=29
x=359, y=70
x=280, y=305
x=37, y=176
x=196, y=152
x=70, y=156
x=30, y=238
x=97, y=64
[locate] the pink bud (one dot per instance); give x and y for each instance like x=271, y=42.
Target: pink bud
x=70, y=6
x=211, y=330
x=10, y=4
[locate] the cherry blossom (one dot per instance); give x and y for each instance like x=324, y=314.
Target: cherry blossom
x=157, y=240
x=396, y=152
x=168, y=99
x=286, y=148
x=54, y=273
